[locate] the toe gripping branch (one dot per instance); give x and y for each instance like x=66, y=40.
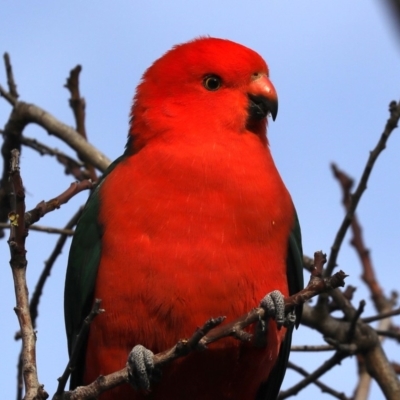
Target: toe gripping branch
x=140, y=367
x=274, y=305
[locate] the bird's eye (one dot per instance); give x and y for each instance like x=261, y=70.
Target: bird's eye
x=212, y=82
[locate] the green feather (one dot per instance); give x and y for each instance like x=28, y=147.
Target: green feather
x=83, y=263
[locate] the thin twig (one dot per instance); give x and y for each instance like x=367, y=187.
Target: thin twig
x=324, y=388
x=78, y=105
x=77, y=347
x=7, y=96
x=389, y=334
x=45, y=229
x=311, y=378
x=394, y=109
x=12, y=87
x=72, y=167
x=45, y=207
x=312, y=348
x=353, y=322
x=381, y=302
x=34, y=303
x=381, y=316
x=20, y=378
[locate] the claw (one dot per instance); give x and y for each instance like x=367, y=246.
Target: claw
x=274, y=304
x=140, y=367
x=290, y=319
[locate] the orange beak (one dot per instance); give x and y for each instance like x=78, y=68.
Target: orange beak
x=263, y=98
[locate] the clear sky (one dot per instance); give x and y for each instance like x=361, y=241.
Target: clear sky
x=335, y=65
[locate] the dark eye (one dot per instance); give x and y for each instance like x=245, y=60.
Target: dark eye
x=212, y=82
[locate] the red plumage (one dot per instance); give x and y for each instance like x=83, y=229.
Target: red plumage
x=195, y=222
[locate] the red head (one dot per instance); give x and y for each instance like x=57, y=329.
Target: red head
x=201, y=88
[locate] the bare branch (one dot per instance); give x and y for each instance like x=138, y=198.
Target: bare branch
x=394, y=109
x=24, y=113
x=381, y=370
x=12, y=134
x=390, y=334
x=12, y=87
x=18, y=233
x=73, y=167
x=7, y=96
x=312, y=348
x=33, y=113
x=311, y=378
x=45, y=229
x=324, y=388
x=34, y=303
x=78, y=105
x=212, y=331
x=365, y=340
x=381, y=303
x=382, y=316
x=45, y=207
x=77, y=347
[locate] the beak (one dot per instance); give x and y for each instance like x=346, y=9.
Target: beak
x=263, y=99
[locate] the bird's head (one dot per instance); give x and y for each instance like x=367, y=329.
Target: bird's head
x=203, y=88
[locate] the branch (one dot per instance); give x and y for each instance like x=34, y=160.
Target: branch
x=381, y=370
x=382, y=316
x=77, y=347
x=73, y=167
x=312, y=348
x=381, y=303
x=32, y=113
x=78, y=105
x=34, y=303
x=212, y=331
x=24, y=113
x=45, y=229
x=45, y=207
x=324, y=388
x=389, y=333
x=12, y=87
x=365, y=342
x=12, y=140
x=394, y=109
x=18, y=233
x=21, y=115
x=312, y=378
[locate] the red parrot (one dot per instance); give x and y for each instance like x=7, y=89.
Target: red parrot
x=193, y=221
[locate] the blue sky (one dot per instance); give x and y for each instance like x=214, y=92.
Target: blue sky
x=335, y=65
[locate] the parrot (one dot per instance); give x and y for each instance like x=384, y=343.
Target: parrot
x=193, y=221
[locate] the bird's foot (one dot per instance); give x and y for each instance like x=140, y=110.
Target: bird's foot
x=274, y=305
x=141, y=369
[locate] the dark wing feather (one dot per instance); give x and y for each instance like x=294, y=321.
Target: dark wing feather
x=83, y=262
x=270, y=389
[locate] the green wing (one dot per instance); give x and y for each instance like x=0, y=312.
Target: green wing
x=270, y=389
x=83, y=262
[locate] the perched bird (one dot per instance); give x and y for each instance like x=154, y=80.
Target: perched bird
x=193, y=221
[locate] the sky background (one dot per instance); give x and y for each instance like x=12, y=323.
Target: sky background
x=335, y=65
